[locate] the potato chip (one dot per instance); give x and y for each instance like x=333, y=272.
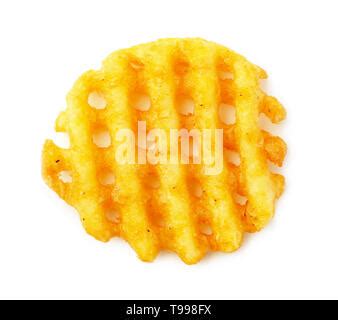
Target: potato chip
x=155, y=203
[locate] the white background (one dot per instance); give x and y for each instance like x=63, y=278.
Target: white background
x=46, y=45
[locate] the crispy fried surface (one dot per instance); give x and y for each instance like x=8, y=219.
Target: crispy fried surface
x=155, y=207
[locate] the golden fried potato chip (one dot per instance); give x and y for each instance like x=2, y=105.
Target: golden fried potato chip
x=166, y=150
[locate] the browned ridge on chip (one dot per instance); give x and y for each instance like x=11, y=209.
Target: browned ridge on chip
x=169, y=207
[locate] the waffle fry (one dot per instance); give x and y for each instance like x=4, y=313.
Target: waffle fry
x=168, y=84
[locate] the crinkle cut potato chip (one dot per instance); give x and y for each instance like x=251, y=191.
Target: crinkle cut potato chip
x=169, y=84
